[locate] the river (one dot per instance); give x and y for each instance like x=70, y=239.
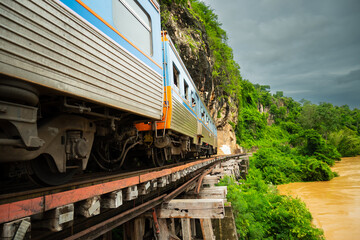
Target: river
x=335, y=204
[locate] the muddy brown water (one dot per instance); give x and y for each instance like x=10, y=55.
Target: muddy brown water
x=335, y=204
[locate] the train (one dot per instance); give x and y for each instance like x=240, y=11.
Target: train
x=90, y=82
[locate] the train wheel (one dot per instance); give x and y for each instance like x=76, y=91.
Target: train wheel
x=158, y=157
x=42, y=171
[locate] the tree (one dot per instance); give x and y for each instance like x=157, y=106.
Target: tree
x=327, y=119
x=307, y=115
x=279, y=94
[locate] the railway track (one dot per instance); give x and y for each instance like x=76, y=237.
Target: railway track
x=25, y=190
x=152, y=187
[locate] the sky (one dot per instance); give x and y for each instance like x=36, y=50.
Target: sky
x=306, y=48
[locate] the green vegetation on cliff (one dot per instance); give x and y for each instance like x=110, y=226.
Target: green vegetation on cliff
x=323, y=126
x=224, y=69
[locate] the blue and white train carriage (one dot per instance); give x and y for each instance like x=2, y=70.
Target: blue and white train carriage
x=187, y=128
x=75, y=77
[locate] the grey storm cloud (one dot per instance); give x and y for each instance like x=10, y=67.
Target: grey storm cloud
x=353, y=76
x=308, y=49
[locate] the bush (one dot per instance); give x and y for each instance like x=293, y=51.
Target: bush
x=315, y=170
x=281, y=164
x=346, y=141
x=311, y=143
x=276, y=166
x=261, y=213
x=290, y=127
x=250, y=127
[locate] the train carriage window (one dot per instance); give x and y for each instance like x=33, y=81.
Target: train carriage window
x=197, y=100
x=132, y=21
x=176, y=76
x=186, y=90
x=193, y=101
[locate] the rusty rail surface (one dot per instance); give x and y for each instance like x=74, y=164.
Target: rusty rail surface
x=90, y=179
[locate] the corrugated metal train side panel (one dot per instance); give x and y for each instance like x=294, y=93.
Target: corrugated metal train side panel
x=44, y=43
x=182, y=120
x=208, y=136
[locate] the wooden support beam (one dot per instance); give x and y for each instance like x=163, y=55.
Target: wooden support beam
x=154, y=184
x=175, y=176
x=18, y=229
x=217, y=171
x=128, y=230
x=107, y=236
x=131, y=193
x=218, y=192
x=193, y=227
x=112, y=200
x=210, y=181
x=134, y=229
x=229, y=173
x=162, y=182
x=222, y=189
x=192, y=208
x=139, y=228
x=172, y=226
x=185, y=229
x=89, y=207
x=206, y=228
x=211, y=177
x=144, y=188
x=56, y=219
x=229, y=163
x=205, y=195
x=164, y=231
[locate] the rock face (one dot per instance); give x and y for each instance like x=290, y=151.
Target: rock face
x=190, y=38
x=262, y=109
x=227, y=141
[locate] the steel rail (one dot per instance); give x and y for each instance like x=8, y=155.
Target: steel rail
x=198, y=186
x=40, y=191
x=111, y=223
x=101, y=228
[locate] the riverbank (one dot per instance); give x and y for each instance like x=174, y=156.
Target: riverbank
x=335, y=204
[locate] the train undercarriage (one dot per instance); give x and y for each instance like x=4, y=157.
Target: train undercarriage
x=50, y=137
